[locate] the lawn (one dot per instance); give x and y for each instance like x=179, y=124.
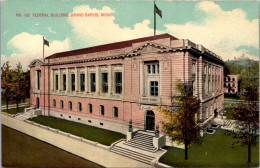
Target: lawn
x=99, y=135
x=215, y=151
x=14, y=110
x=229, y=113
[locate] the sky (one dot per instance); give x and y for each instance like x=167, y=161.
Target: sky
x=228, y=28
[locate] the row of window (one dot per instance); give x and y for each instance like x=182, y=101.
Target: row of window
x=101, y=108
x=104, y=82
x=228, y=79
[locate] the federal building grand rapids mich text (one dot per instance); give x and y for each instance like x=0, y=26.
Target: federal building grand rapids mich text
x=109, y=85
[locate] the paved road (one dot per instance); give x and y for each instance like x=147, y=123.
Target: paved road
x=20, y=150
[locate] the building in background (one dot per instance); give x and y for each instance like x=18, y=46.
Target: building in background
x=231, y=84
x=108, y=85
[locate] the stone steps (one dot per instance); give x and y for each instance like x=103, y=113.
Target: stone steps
x=132, y=154
x=23, y=116
x=228, y=123
x=142, y=147
x=142, y=141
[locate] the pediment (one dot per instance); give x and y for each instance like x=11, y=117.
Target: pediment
x=36, y=62
x=148, y=47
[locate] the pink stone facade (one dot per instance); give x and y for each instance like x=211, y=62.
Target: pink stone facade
x=149, y=69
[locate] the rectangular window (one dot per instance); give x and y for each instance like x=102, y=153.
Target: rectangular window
x=104, y=82
x=72, y=82
x=61, y=104
x=148, y=69
x=70, y=105
x=64, y=81
x=154, y=88
x=153, y=68
x=82, y=82
x=157, y=66
x=118, y=82
x=56, y=82
x=93, y=82
x=54, y=103
x=38, y=80
x=90, y=108
x=79, y=107
x=194, y=69
x=101, y=110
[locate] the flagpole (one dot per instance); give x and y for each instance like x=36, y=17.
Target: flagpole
x=154, y=23
x=43, y=77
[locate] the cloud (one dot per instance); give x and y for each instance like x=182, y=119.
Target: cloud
x=221, y=31
x=50, y=30
x=27, y=47
x=100, y=30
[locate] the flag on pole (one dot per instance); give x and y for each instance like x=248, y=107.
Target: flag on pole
x=45, y=42
x=157, y=10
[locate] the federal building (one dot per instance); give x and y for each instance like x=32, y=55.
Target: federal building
x=107, y=86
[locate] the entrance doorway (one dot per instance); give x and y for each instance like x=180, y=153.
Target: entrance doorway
x=149, y=120
x=215, y=113
x=37, y=102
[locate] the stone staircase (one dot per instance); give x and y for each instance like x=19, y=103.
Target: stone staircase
x=139, y=148
x=141, y=157
x=228, y=123
x=24, y=116
x=142, y=140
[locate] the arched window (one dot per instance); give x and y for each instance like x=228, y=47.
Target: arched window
x=115, y=112
x=79, y=106
x=70, y=105
x=54, y=103
x=61, y=104
x=101, y=110
x=90, y=108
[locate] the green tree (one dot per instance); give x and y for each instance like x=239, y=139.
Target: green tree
x=247, y=116
x=6, y=83
x=180, y=121
x=20, y=84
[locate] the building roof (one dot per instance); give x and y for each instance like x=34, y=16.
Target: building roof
x=111, y=46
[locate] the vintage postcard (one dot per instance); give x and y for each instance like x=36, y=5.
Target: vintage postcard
x=129, y=83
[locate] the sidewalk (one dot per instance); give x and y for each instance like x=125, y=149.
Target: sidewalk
x=10, y=106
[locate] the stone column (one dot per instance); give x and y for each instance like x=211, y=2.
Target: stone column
x=210, y=79
x=142, y=93
x=200, y=78
x=207, y=79
x=35, y=80
x=67, y=80
x=76, y=80
x=60, y=82
x=86, y=79
x=98, y=79
x=51, y=78
x=110, y=80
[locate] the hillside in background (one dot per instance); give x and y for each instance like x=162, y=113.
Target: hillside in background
x=247, y=69
x=244, y=66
